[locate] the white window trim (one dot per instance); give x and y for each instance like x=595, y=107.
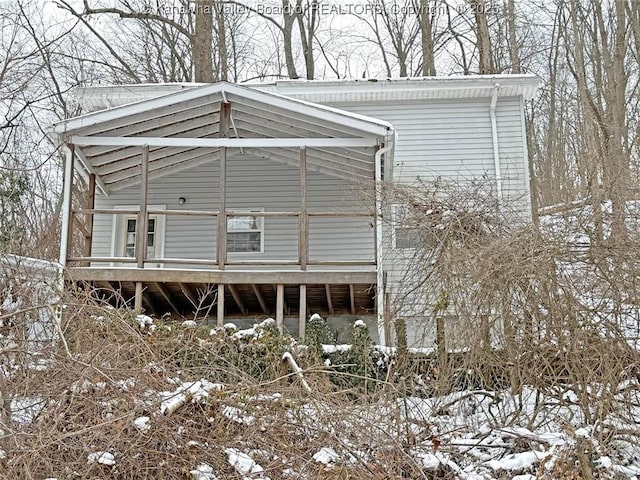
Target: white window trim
x=261, y=222
x=118, y=233
x=395, y=224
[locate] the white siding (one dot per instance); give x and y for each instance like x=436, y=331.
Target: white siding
x=252, y=183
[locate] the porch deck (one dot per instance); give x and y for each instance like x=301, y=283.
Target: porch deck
x=189, y=293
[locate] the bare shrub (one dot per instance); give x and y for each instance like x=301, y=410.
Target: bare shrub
x=543, y=308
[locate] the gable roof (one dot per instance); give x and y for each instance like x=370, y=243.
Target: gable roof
x=182, y=129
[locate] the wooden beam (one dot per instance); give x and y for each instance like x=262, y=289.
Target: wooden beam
x=352, y=300
x=220, y=314
x=327, y=290
x=167, y=297
x=280, y=307
x=81, y=226
x=141, y=226
x=263, y=304
x=303, y=221
x=137, y=302
x=187, y=142
x=246, y=277
x=284, y=302
x=222, y=216
x=187, y=293
x=237, y=299
x=91, y=202
x=302, y=317
x=150, y=305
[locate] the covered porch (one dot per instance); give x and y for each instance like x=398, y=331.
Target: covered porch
x=284, y=264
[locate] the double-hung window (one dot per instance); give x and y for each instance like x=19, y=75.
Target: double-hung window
x=245, y=233
x=130, y=237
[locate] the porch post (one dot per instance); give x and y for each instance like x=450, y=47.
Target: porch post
x=303, y=241
x=65, y=237
x=280, y=307
x=222, y=215
x=91, y=203
x=141, y=224
x=302, y=321
x=303, y=233
x=220, y=310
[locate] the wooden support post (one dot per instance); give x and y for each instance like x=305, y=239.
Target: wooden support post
x=237, y=299
x=220, y=315
x=263, y=304
x=222, y=216
x=327, y=289
x=302, y=319
x=137, y=303
x=91, y=203
x=280, y=307
x=166, y=297
x=352, y=299
x=303, y=221
x=187, y=293
x=141, y=224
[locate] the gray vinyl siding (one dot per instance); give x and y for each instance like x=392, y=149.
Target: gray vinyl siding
x=452, y=139
x=448, y=139
x=252, y=183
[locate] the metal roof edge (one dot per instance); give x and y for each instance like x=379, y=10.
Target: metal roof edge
x=405, y=88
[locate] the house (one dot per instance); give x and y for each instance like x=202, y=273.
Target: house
x=260, y=199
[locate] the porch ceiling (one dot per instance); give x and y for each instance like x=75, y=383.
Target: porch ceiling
x=189, y=128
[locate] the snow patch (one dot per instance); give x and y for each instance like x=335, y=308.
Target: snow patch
x=142, y=424
x=326, y=456
x=243, y=463
x=204, y=471
x=103, y=458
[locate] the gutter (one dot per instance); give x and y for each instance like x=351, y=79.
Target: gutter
x=494, y=137
x=388, y=147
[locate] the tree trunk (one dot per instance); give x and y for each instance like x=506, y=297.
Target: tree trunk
x=514, y=54
x=203, y=42
x=288, y=16
x=426, y=37
x=483, y=40
x=223, y=73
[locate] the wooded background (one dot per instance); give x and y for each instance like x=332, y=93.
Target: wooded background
x=583, y=126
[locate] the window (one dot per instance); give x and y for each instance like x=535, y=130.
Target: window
x=130, y=237
x=244, y=233
x=405, y=235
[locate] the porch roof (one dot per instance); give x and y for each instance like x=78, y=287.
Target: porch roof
x=190, y=127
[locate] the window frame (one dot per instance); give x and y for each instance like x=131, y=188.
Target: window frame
x=396, y=225
x=119, y=227
x=260, y=221
x=126, y=220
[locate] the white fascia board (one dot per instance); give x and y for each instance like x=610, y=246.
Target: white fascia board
x=524, y=84
x=359, y=122
x=89, y=119
x=224, y=142
x=332, y=115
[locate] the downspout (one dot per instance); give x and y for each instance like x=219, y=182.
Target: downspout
x=64, y=233
x=382, y=340
x=494, y=136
